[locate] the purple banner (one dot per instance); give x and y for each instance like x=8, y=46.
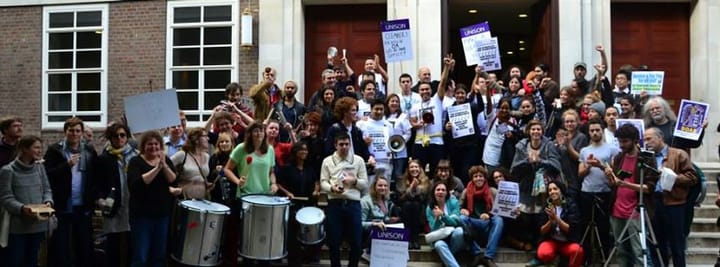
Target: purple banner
x=394, y=234
x=395, y=25
x=474, y=29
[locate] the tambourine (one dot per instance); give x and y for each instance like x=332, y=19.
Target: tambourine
x=428, y=117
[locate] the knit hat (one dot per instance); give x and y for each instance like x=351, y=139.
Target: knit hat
x=599, y=107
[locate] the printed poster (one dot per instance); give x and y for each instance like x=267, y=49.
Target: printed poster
x=389, y=247
x=692, y=114
x=639, y=124
x=397, y=41
x=469, y=36
x=649, y=81
x=506, y=202
x=489, y=54
x=378, y=146
x=461, y=118
x=151, y=111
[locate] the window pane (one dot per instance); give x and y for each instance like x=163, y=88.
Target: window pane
x=188, y=100
x=60, y=60
x=59, y=102
x=89, y=40
x=212, y=99
x=88, y=81
x=88, y=102
x=60, y=20
x=218, y=13
x=59, y=82
x=89, y=18
x=89, y=118
x=185, y=79
x=217, y=56
x=217, y=79
x=59, y=118
x=62, y=40
x=192, y=117
x=187, y=14
x=186, y=56
x=186, y=36
x=88, y=59
x=221, y=35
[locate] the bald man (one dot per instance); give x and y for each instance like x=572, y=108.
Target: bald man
x=424, y=76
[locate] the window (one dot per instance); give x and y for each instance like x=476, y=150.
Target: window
x=202, y=44
x=74, y=81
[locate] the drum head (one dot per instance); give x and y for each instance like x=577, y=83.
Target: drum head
x=267, y=200
x=310, y=216
x=205, y=206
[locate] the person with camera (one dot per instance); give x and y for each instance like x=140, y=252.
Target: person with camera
x=670, y=198
x=624, y=179
x=23, y=182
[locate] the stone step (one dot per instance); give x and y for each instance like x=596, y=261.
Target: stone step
x=711, y=184
x=707, y=211
x=704, y=225
x=710, y=198
x=704, y=240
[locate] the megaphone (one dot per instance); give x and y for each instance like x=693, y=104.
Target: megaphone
x=396, y=143
x=428, y=117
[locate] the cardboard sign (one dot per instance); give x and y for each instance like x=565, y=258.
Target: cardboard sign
x=461, y=118
x=150, y=111
x=469, y=36
x=649, y=81
x=397, y=42
x=389, y=247
x=692, y=114
x=488, y=52
x=506, y=202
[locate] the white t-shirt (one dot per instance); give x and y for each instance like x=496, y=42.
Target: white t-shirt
x=407, y=101
x=494, y=141
x=401, y=126
x=364, y=109
x=610, y=138
x=379, y=131
x=434, y=130
x=378, y=81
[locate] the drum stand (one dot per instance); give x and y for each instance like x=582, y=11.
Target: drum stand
x=644, y=220
x=593, y=231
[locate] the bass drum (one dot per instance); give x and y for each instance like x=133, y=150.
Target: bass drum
x=199, y=232
x=264, y=226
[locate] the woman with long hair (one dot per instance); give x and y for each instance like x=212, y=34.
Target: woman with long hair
x=562, y=104
x=569, y=146
x=401, y=127
x=443, y=210
x=377, y=210
x=413, y=188
x=325, y=107
x=112, y=167
x=192, y=163
x=254, y=161
x=151, y=201
x=23, y=182
x=444, y=173
x=559, y=230
x=224, y=145
x=500, y=127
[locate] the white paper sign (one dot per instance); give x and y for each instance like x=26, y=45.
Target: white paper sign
x=397, y=42
x=150, y=111
x=461, y=118
x=488, y=54
x=649, y=81
x=469, y=36
x=507, y=199
x=389, y=247
x=378, y=146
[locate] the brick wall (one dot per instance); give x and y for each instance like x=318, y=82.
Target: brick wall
x=249, y=72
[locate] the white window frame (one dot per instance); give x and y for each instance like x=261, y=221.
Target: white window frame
x=235, y=45
x=103, y=112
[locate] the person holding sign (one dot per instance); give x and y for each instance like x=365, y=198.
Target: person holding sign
x=23, y=182
x=476, y=202
x=377, y=210
x=444, y=211
x=376, y=132
x=559, y=230
x=463, y=130
x=657, y=113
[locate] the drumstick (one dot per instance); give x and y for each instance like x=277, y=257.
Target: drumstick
x=301, y=198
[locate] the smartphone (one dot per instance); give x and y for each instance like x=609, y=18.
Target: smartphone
x=623, y=174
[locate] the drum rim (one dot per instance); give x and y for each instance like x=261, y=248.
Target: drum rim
x=322, y=219
x=283, y=203
x=225, y=210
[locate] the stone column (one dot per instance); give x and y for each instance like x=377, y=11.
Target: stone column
x=582, y=25
x=281, y=40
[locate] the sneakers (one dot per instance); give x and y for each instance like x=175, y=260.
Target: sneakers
x=480, y=260
x=534, y=262
x=489, y=263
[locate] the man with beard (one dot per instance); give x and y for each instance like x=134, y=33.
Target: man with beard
x=594, y=194
x=12, y=129
x=657, y=113
x=367, y=88
x=290, y=108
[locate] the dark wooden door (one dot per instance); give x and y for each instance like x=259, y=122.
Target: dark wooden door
x=355, y=28
x=657, y=35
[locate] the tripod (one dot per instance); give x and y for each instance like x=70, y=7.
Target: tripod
x=644, y=218
x=593, y=231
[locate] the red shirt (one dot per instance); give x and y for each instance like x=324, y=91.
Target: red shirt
x=282, y=150
x=626, y=199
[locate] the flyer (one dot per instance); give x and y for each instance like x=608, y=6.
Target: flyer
x=506, y=202
x=469, y=36
x=692, y=114
x=460, y=117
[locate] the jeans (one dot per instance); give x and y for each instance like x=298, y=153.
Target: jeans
x=670, y=240
x=117, y=249
x=343, y=220
x=429, y=154
x=491, y=228
x=629, y=249
x=72, y=243
x=447, y=247
x=149, y=240
x=22, y=250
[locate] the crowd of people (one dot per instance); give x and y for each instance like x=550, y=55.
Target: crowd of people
x=380, y=158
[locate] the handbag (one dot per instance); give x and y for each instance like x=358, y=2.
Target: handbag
x=4, y=227
x=439, y=234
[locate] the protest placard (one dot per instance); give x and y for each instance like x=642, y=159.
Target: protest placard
x=469, y=36
x=461, y=118
x=506, y=202
x=649, y=81
x=397, y=42
x=152, y=111
x=389, y=247
x=378, y=146
x=489, y=54
x=692, y=115
x=639, y=124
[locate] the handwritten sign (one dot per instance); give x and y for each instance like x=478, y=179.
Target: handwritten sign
x=649, y=81
x=469, y=36
x=461, y=118
x=389, y=247
x=488, y=53
x=639, y=125
x=396, y=40
x=152, y=111
x=692, y=116
x=507, y=199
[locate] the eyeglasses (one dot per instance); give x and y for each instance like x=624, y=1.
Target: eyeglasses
x=121, y=135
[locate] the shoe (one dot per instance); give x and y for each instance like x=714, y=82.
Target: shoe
x=414, y=245
x=477, y=260
x=365, y=256
x=534, y=262
x=489, y=263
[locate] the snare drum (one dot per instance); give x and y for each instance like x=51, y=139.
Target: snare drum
x=264, y=226
x=199, y=232
x=311, y=229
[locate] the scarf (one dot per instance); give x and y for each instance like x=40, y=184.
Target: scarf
x=123, y=154
x=484, y=192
